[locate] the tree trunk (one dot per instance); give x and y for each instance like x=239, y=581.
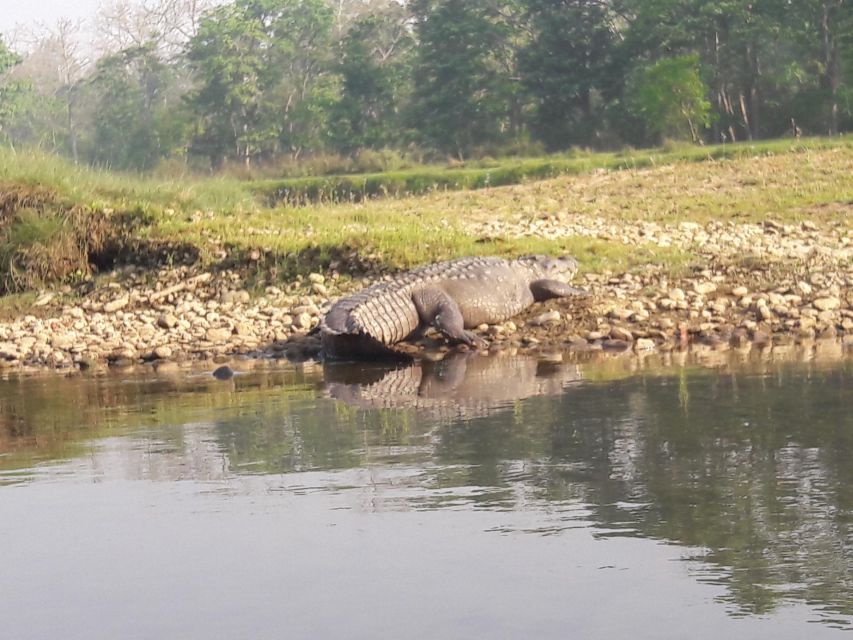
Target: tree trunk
x=831, y=65
x=745, y=115
x=754, y=93
x=72, y=126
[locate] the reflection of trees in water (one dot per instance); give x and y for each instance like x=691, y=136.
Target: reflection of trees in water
x=49, y=418
x=753, y=469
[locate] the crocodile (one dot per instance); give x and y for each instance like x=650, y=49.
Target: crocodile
x=452, y=297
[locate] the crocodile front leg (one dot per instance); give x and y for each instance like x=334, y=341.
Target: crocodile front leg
x=438, y=309
x=545, y=289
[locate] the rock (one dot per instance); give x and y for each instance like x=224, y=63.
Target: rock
x=44, y=299
x=704, y=288
x=545, y=318
x=740, y=292
x=619, y=333
x=763, y=312
x=9, y=351
x=123, y=353
x=63, y=342
x=166, y=321
x=303, y=320
x=677, y=294
x=644, y=344
x=115, y=305
x=316, y=278
x=162, y=352
x=223, y=373
x=218, y=336
x=829, y=303
x=243, y=329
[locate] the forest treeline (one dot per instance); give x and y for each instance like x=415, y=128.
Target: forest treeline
x=261, y=82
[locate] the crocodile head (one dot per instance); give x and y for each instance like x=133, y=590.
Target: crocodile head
x=563, y=268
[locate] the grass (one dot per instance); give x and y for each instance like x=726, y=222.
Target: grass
x=355, y=188
x=785, y=180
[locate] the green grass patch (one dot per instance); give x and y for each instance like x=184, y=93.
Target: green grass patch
x=360, y=187
x=50, y=209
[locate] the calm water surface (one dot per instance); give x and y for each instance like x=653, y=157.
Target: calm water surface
x=700, y=495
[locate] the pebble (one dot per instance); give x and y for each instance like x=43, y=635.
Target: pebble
x=162, y=352
x=188, y=314
x=548, y=317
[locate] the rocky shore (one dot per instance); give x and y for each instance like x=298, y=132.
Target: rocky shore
x=755, y=284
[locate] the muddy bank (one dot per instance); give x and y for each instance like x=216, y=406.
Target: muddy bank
x=756, y=284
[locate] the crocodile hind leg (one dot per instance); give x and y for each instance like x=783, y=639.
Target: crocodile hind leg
x=545, y=289
x=438, y=309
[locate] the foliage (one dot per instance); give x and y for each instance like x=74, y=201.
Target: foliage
x=564, y=68
x=670, y=95
x=375, y=72
x=271, y=84
x=133, y=117
x=460, y=96
x=11, y=92
x=261, y=66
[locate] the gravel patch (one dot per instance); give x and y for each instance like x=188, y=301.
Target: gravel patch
x=761, y=285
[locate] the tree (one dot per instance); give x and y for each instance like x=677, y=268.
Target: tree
x=563, y=67
x=260, y=67
x=671, y=96
x=375, y=66
x=462, y=89
x=10, y=90
x=134, y=111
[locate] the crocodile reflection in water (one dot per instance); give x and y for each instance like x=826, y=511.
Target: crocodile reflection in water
x=461, y=385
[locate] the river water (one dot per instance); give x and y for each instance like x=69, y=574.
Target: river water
x=703, y=495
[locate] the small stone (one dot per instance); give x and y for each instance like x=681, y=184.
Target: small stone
x=764, y=312
x=545, y=318
x=166, y=321
x=619, y=333
x=123, y=353
x=115, y=305
x=223, y=373
x=62, y=342
x=826, y=304
x=44, y=299
x=740, y=292
x=676, y=294
x=644, y=344
x=9, y=351
x=243, y=329
x=704, y=288
x=303, y=320
x=317, y=278
x=218, y=336
x=162, y=352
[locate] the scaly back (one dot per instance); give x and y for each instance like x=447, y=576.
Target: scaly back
x=385, y=310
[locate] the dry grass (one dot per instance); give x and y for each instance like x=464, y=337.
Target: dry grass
x=218, y=220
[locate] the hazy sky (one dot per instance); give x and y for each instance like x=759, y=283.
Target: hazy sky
x=28, y=12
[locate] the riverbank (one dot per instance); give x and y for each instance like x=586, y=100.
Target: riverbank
x=760, y=284
x=747, y=250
